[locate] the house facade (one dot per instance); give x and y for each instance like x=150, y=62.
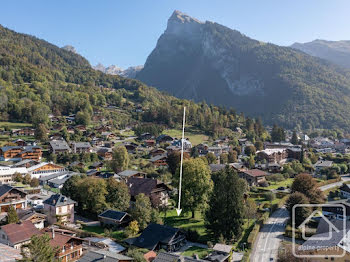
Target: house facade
x=17, y=234
x=59, y=208
x=254, y=177
x=157, y=191
x=10, y=196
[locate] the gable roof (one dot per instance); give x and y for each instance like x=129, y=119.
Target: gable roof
x=20, y=232
x=159, y=157
x=143, y=185
x=254, y=172
x=59, y=145
x=129, y=173
x=113, y=214
x=103, y=256
x=59, y=240
x=4, y=189
x=345, y=187
x=155, y=234
x=58, y=200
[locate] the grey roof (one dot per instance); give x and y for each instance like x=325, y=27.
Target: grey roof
x=223, y=248
x=216, y=167
x=60, y=181
x=55, y=175
x=103, y=256
x=58, y=200
x=82, y=144
x=321, y=240
x=167, y=257
x=25, y=161
x=113, y=214
x=324, y=163
x=129, y=173
x=59, y=145
x=323, y=226
x=159, y=157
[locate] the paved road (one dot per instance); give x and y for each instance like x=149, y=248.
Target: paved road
x=269, y=237
x=337, y=184
x=271, y=234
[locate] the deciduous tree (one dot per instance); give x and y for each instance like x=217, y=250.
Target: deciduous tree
x=118, y=196
x=196, y=185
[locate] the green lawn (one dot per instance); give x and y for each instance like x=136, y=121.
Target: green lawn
x=194, y=136
x=13, y=125
x=94, y=229
x=275, y=185
x=118, y=235
x=186, y=222
x=201, y=252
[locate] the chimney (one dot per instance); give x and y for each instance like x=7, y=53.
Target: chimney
x=53, y=233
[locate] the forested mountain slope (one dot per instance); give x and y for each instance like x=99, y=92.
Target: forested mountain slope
x=38, y=79
x=209, y=62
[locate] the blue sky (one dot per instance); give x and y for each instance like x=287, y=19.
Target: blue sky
x=124, y=32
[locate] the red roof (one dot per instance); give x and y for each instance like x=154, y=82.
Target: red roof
x=255, y=172
x=20, y=232
x=60, y=239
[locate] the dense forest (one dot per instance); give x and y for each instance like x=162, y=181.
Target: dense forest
x=38, y=79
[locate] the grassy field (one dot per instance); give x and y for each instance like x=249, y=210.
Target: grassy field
x=201, y=252
x=275, y=185
x=186, y=222
x=194, y=136
x=12, y=125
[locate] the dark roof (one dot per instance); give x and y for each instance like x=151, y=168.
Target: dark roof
x=103, y=256
x=167, y=257
x=322, y=240
x=113, y=214
x=143, y=185
x=58, y=200
x=216, y=167
x=345, y=187
x=20, y=232
x=323, y=226
x=155, y=234
x=5, y=189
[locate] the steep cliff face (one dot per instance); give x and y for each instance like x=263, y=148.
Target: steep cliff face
x=205, y=61
x=337, y=52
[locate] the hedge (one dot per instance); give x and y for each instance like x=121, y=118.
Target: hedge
x=253, y=234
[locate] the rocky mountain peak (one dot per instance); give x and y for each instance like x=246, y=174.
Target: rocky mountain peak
x=183, y=24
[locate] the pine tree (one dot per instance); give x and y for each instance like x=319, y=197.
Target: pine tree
x=226, y=209
x=294, y=139
x=39, y=250
x=12, y=216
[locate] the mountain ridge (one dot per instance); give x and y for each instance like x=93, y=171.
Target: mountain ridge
x=337, y=52
x=206, y=61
